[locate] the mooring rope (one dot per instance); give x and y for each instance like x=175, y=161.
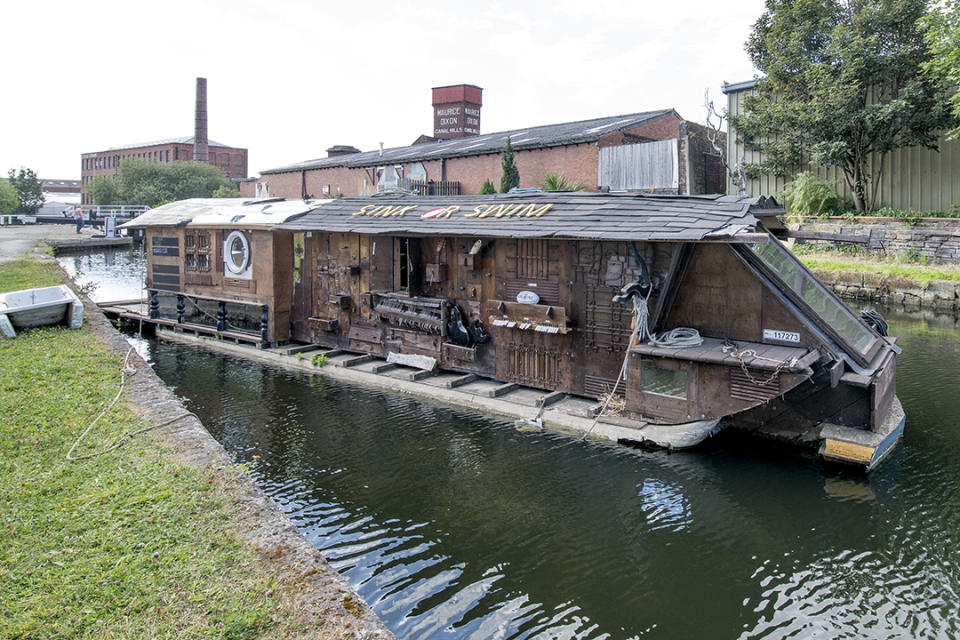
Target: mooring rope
x=126, y=368
x=679, y=338
x=641, y=315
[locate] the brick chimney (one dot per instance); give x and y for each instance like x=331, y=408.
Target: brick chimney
x=456, y=111
x=200, y=128
x=341, y=150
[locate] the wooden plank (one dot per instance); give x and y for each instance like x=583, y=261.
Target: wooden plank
x=453, y=383
x=352, y=362
x=409, y=360
x=502, y=390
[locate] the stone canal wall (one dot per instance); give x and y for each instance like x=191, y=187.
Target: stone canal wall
x=933, y=240
x=939, y=295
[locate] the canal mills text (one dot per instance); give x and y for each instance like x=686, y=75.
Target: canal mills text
x=686, y=314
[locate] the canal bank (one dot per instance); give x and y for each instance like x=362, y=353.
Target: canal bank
x=326, y=603
x=301, y=596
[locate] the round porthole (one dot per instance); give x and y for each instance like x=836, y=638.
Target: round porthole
x=236, y=255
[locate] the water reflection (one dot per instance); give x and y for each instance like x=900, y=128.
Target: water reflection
x=112, y=275
x=455, y=525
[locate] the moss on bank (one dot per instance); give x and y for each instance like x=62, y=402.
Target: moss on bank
x=132, y=544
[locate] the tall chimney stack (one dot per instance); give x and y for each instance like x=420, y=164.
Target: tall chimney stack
x=456, y=111
x=200, y=128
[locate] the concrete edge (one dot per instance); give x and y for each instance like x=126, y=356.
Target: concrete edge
x=674, y=437
x=326, y=597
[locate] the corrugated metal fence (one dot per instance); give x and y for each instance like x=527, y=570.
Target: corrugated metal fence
x=913, y=178
x=644, y=166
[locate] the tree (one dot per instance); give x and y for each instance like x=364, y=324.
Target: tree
x=29, y=190
x=154, y=183
x=227, y=191
x=843, y=82
x=943, y=43
x=9, y=201
x=718, y=140
x=104, y=190
x=511, y=177
x=487, y=188
x=557, y=182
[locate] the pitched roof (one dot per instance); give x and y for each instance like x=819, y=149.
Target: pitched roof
x=543, y=215
x=551, y=135
x=157, y=143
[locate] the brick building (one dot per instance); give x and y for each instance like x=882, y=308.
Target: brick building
x=654, y=151
x=233, y=160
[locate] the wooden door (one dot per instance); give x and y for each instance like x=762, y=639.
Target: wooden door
x=303, y=298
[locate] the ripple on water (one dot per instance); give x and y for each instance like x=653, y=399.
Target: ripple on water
x=454, y=525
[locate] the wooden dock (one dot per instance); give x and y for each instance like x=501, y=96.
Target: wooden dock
x=137, y=311
x=86, y=244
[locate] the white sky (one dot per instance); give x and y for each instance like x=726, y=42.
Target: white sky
x=289, y=78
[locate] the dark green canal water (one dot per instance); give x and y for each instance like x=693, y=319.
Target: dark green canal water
x=453, y=525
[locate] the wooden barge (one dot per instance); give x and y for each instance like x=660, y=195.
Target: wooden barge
x=685, y=309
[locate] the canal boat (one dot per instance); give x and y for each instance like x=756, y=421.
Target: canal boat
x=687, y=310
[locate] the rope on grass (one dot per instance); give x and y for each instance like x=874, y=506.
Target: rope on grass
x=125, y=369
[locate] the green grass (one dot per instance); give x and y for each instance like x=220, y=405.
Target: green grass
x=923, y=274
x=131, y=544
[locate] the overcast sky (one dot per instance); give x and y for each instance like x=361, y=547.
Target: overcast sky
x=287, y=79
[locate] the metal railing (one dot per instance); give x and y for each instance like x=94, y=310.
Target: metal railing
x=423, y=187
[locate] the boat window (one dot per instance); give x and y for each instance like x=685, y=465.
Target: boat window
x=664, y=382
x=824, y=304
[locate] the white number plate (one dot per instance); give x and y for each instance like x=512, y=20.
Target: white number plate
x=782, y=336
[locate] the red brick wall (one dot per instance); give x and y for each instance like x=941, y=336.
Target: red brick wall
x=577, y=163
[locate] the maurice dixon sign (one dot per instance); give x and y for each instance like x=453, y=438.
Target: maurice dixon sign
x=521, y=210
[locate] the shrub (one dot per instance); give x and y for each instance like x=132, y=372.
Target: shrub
x=808, y=195
x=318, y=360
x=487, y=188
x=557, y=182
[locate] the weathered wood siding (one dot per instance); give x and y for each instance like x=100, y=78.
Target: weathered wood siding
x=644, y=166
x=913, y=178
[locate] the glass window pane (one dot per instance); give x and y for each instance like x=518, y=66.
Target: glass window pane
x=831, y=310
x=665, y=382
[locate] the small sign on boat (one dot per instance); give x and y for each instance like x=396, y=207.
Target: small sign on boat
x=781, y=336
x=528, y=297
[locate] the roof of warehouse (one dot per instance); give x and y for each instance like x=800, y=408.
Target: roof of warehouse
x=529, y=138
x=542, y=215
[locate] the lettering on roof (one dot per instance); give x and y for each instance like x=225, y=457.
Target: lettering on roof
x=520, y=210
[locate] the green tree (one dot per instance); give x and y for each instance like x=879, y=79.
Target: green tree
x=557, y=182
x=104, y=190
x=153, y=183
x=842, y=82
x=487, y=188
x=227, y=191
x=29, y=190
x=8, y=199
x=511, y=177
x=943, y=42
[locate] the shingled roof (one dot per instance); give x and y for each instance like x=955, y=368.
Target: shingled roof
x=551, y=135
x=543, y=215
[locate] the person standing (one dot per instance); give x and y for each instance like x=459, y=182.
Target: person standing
x=78, y=217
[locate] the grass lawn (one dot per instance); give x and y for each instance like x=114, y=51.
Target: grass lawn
x=853, y=259
x=131, y=544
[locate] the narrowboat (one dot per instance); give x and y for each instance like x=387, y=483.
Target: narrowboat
x=688, y=309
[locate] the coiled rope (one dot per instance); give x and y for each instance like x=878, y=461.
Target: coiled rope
x=126, y=368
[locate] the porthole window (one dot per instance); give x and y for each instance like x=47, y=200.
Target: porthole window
x=236, y=252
